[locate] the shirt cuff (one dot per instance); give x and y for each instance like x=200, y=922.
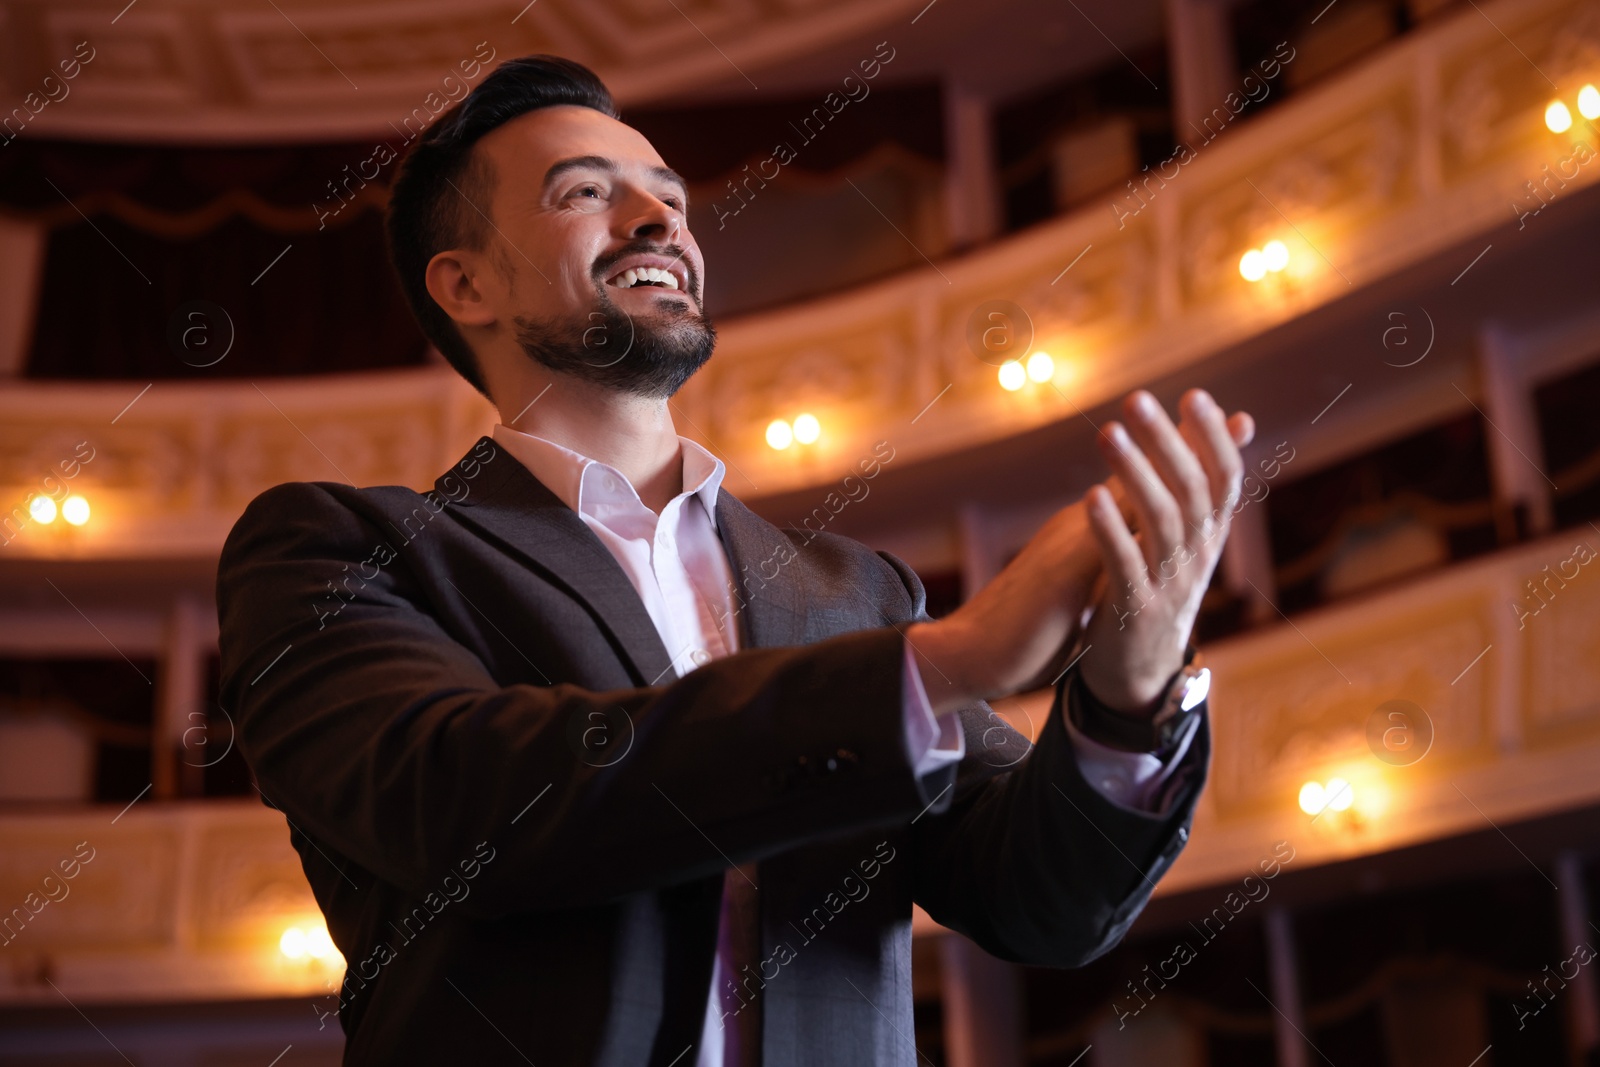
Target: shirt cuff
x=1132, y=779
x=933, y=743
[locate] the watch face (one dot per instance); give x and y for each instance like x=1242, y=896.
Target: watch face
x=1195, y=689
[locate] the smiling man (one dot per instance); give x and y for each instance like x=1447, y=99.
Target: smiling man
x=569, y=787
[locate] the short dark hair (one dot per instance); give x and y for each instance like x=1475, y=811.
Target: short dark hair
x=426, y=215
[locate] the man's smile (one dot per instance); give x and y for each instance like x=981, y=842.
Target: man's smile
x=649, y=271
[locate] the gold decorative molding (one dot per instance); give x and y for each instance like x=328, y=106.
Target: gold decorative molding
x=237, y=70
x=1514, y=713
x=188, y=900
x=1419, y=148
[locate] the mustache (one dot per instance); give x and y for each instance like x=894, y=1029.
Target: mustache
x=603, y=265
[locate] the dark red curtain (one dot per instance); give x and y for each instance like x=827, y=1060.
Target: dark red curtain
x=236, y=228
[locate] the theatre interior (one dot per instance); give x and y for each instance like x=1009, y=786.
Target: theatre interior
x=944, y=236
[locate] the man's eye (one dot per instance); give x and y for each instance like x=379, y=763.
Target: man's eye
x=673, y=202
x=587, y=190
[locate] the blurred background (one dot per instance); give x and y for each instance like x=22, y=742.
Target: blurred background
x=946, y=236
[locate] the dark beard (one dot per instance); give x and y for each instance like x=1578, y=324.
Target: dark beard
x=609, y=349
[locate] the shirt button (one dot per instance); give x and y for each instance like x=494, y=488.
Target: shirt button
x=700, y=656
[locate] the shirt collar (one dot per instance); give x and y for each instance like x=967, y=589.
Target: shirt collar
x=581, y=483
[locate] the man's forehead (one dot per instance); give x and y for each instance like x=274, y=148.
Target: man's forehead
x=541, y=138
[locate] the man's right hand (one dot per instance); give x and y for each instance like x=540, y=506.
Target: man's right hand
x=1014, y=634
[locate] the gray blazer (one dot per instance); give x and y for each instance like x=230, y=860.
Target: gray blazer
x=516, y=819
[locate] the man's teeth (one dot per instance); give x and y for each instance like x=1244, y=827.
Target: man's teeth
x=644, y=276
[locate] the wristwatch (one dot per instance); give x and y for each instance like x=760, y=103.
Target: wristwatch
x=1157, y=732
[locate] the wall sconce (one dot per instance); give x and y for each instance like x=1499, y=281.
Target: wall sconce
x=299, y=944
x=1589, y=102
x=1257, y=263
x=42, y=509
x=1558, y=117
x=1014, y=374
x=1041, y=368
x=805, y=429
x=1337, y=795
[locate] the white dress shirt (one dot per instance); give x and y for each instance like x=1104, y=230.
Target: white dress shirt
x=678, y=566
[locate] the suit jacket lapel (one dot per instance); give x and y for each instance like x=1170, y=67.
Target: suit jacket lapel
x=767, y=595
x=512, y=507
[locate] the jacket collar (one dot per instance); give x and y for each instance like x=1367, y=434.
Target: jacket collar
x=513, y=509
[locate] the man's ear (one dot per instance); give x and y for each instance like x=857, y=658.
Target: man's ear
x=465, y=285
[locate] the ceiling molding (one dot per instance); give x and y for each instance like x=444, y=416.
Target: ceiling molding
x=256, y=71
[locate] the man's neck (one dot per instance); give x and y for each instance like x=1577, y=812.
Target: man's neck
x=635, y=435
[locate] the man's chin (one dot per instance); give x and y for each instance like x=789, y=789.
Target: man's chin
x=666, y=303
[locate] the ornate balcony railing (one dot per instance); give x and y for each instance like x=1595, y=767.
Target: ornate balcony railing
x=1500, y=684
x=1425, y=144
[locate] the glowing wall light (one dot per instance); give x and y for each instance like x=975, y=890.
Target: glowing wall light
x=1257, y=263
x=779, y=434
x=1012, y=375
x=1589, y=102
x=1041, y=367
x=307, y=942
x=1337, y=795
x=1557, y=118
x=806, y=428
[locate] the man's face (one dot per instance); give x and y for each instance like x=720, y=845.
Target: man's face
x=605, y=277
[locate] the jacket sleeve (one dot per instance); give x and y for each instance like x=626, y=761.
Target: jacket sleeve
x=1029, y=860
x=387, y=742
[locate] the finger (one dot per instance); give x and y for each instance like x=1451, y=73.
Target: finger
x=1119, y=493
x=1124, y=563
x=1243, y=428
x=1206, y=429
x=1172, y=456
x=1160, y=522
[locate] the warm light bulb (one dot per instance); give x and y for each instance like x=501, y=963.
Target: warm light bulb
x=1012, y=375
x=1275, y=255
x=1557, y=117
x=1041, y=368
x=779, y=435
x=806, y=428
x=293, y=943
x=75, y=510
x=42, y=508
x=1312, y=798
x=1339, y=794
x=1589, y=102
x=319, y=944
x=1253, y=265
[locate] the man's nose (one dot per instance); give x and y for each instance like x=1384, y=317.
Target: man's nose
x=654, y=219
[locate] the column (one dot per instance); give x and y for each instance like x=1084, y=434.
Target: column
x=1283, y=967
x=982, y=1006
x=1200, y=51
x=972, y=188
x=22, y=246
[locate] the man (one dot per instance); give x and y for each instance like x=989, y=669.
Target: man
x=575, y=777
